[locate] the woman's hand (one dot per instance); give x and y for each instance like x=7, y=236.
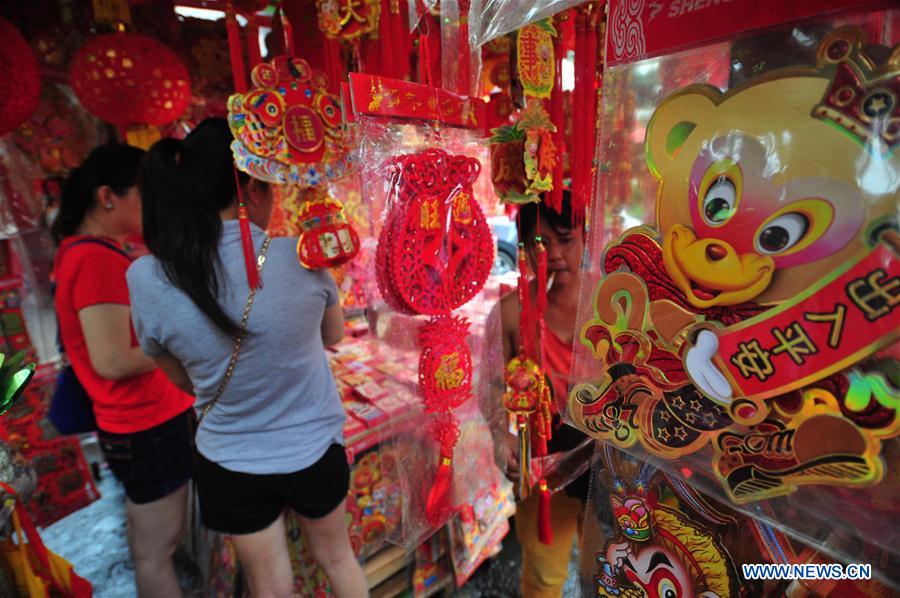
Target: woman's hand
x=175, y=372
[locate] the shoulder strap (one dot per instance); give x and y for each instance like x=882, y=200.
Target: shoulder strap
x=261, y=260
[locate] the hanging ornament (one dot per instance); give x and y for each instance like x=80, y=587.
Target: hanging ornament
x=523, y=156
x=589, y=18
x=348, y=19
x=535, y=61
x=527, y=394
x=128, y=79
x=445, y=365
x=434, y=254
x=287, y=128
x=21, y=78
x=440, y=252
x=327, y=239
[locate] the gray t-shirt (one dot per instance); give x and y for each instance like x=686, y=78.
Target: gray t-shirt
x=281, y=410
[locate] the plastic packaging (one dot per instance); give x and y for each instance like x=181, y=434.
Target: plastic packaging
x=430, y=255
x=737, y=321
x=489, y=19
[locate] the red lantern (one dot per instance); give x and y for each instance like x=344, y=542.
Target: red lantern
x=21, y=78
x=129, y=79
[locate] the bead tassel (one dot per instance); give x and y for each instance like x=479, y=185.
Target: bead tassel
x=545, y=528
x=438, y=501
x=246, y=238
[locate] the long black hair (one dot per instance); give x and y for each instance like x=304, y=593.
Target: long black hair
x=114, y=166
x=184, y=185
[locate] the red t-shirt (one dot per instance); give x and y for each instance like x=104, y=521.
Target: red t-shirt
x=91, y=274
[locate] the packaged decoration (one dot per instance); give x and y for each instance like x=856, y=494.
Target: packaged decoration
x=424, y=187
x=739, y=322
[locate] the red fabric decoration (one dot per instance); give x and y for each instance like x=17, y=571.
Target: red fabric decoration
x=545, y=528
x=129, y=79
x=584, y=111
x=247, y=244
x=434, y=254
x=21, y=76
x=445, y=365
x=554, y=199
x=441, y=251
x=246, y=237
x=382, y=269
x=235, y=50
x=437, y=502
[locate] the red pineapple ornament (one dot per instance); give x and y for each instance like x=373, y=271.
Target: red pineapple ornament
x=21, y=76
x=128, y=79
x=445, y=365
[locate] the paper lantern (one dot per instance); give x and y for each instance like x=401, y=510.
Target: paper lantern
x=129, y=79
x=21, y=78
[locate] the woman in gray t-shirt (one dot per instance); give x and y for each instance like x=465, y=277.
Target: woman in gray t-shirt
x=273, y=437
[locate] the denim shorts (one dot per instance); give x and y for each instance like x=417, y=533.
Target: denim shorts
x=153, y=463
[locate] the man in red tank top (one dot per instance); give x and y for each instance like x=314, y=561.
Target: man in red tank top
x=545, y=566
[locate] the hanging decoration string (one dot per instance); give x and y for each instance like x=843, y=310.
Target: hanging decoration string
x=235, y=51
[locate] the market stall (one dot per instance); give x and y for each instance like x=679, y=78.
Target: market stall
x=734, y=169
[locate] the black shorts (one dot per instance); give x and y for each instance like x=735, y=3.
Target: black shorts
x=153, y=463
x=243, y=503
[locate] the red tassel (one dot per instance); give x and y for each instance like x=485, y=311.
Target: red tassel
x=254, y=53
x=247, y=243
x=554, y=198
x=401, y=38
x=437, y=505
x=235, y=51
x=464, y=82
x=545, y=529
x=384, y=41
x=333, y=64
x=591, y=110
x=288, y=35
x=540, y=447
x=246, y=237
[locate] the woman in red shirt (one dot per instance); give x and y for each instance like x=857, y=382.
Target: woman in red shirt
x=144, y=421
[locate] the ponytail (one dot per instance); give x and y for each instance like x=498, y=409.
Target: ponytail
x=184, y=186
x=114, y=165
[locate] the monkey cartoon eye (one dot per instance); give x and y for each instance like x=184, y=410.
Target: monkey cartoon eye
x=666, y=589
x=782, y=233
x=719, y=201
